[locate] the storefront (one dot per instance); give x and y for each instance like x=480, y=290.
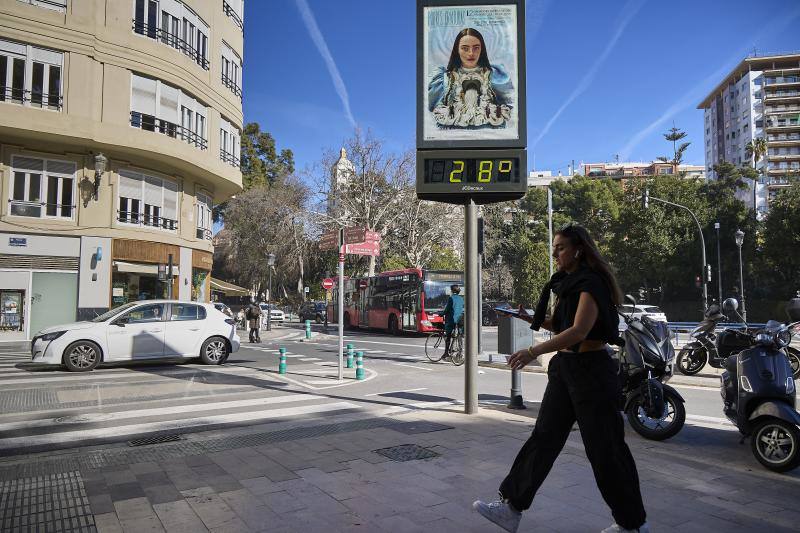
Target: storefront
x=201, y=275
x=140, y=271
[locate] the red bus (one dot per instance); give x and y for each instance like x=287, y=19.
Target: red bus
x=399, y=300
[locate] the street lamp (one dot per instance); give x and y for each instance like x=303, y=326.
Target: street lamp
x=499, y=276
x=646, y=204
x=739, y=241
x=719, y=265
x=270, y=264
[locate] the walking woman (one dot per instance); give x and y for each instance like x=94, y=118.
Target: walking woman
x=582, y=385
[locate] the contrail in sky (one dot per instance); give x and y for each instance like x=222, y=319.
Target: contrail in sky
x=693, y=95
x=628, y=12
x=322, y=47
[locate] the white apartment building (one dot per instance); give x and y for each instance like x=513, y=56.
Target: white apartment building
x=759, y=98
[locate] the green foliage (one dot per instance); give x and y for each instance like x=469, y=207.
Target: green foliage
x=782, y=242
x=445, y=259
x=530, y=270
x=261, y=162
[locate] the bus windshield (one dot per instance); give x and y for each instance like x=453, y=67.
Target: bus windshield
x=436, y=294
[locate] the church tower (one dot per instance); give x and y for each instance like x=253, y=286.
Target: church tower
x=341, y=172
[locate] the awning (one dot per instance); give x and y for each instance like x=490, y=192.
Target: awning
x=141, y=268
x=228, y=288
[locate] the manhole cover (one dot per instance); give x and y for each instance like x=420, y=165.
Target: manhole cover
x=84, y=418
x=406, y=452
x=146, y=441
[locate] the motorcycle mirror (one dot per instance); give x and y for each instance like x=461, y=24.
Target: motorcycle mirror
x=730, y=305
x=631, y=299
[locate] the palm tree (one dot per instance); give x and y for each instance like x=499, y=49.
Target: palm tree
x=756, y=149
x=674, y=135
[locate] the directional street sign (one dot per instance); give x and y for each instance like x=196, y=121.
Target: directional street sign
x=364, y=248
x=329, y=240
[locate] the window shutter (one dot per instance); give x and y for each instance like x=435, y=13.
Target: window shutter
x=60, y=167
x=143, y=95
x=168, y=106
x=29, y=164
x=152, y=191
x=130, y=186
x=170, y=209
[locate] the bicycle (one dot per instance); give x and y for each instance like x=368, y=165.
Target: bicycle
x=435, y=343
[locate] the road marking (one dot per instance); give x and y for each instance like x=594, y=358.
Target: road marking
x=311, y=359
x=413, y=357
x=374, y=351
x=395, y=391
x=325, y=382
x=412, y=366
x=128, y=373
x=160, y=411
x=169, y=425
x=327, y=363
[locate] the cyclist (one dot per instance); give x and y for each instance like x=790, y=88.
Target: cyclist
x=453, y=316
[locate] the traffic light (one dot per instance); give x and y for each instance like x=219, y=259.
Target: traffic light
x=645, y=199
x=697, y=281
x=708, y=273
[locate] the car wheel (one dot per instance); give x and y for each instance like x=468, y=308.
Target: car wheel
x=82, y=356
x=214, y=351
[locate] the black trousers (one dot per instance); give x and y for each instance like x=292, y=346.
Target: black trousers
x=255, y=336
x=582, y=387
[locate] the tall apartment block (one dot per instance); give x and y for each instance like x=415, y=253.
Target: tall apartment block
x=120, y=124
x=759, y=98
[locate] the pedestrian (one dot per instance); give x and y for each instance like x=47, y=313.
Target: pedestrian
x=582, y=385
x=453, y=315
x=240, y=318
x=253, y=314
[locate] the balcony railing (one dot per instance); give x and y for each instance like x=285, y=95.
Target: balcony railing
x=779, y=157
x=781, y=80
x=231, y=84
x=204, y=233
x=779, y=125
x=781, y=94
x=783, y=138
x=154, y=32
x=142, y=219
x=228, y=157
x=226, y=7
x=794, y=109
x=22, y=208
x=42, y=100
x=151, y=123
x=57, y=5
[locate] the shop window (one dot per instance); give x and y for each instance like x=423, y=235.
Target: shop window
x=199, y=285
x=187, y=312
x=41, y=87
x=147, y=201
x=42, y=188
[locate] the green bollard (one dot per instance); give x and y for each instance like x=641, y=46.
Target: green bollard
x=282, y=363
x=360, y=366
x=308, y=329
x=350, y=352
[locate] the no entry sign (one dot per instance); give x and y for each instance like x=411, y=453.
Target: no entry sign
x=327, y=284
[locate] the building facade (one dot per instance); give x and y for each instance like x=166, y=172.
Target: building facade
x=760, y=98
x=630, y=170
x=119, y=129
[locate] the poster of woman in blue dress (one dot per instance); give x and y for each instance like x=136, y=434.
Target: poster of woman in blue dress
x=471, y=67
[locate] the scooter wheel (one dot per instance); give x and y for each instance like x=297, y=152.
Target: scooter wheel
x=776, y=445
x=668, y=425
x=690, y=362
x=794, y=361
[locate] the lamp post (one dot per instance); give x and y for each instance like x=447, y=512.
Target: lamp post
x=100, y=162
x=646, y=204
x=499, y=277
x=719, y=265
x=270, y=264
x=739, y=241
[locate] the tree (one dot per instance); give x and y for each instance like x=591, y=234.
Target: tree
x=781, y=242
x=674, y=135
x=423, y=230
x=756, y=149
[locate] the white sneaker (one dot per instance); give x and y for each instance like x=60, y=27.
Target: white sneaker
x=616, y=528
x=500, y=513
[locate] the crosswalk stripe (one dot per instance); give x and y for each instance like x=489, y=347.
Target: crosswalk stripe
x=127, y=373
x=169, y=425
x=311, y=359
x=160, y=411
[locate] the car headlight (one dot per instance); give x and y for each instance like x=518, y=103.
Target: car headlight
x=783, y=338
x=52, y=336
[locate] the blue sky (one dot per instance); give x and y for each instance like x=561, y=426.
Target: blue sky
x=604, y=77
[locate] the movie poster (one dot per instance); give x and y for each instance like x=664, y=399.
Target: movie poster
x=470, y=67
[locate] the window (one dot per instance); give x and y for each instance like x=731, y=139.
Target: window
x=180, y=27
x=42, y=188
x=204, y=216
x=147, y=201
x=145, y=313
x=229, y=143
x=234, y=9
x=187, y=312
x=231, y=70
x=156, y=106
x=30, y=76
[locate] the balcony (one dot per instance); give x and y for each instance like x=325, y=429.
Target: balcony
x=148, y=221
x=204, y=234
x=229, y=158
x=151, y=123
x=169, y=39
x=783, y=157
x=230, y=12
x=231, y=84
x=782, y=80
x=784, y=139
x=781, y=96
x=778, y=110
x=42, y=100
x=788, y=125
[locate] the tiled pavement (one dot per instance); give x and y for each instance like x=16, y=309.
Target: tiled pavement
x=327, y=481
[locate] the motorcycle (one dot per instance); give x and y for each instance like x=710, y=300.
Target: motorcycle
x=708, y=347
x=758, y=395
x=646, y=359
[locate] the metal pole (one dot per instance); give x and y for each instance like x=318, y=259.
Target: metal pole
x=471, y=311
x=719, y=266
x=341, y=306
x=269, y=300
x=550, y=226
x=480, y=303
x=741, y=284
x=169, y=277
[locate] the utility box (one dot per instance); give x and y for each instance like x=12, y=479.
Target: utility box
x=513, y=335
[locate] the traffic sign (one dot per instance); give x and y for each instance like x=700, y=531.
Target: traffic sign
x=364, y=248
x=327, y=284
x=362, y=284
x=330, y=240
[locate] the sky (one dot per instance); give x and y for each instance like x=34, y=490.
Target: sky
x=605, y=79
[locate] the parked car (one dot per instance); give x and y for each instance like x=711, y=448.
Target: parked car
x=639, y=310
x=224, y=308
x=312, y=311
x=137, y=331
x=489, y=315
x=276, y=315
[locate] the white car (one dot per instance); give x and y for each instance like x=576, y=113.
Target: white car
x=638, y=311
x=137, y=331
x=276, y=315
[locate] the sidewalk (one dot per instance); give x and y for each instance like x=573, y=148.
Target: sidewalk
x=360, y=474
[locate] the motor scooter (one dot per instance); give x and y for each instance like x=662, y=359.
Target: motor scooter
x=758, y=395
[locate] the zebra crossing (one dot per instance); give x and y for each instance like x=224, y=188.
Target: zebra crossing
x=44, y=410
